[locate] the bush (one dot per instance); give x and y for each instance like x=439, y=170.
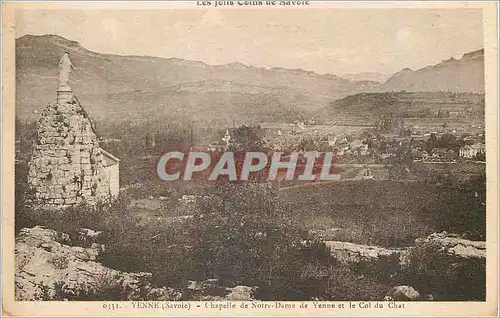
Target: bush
x=339, y=283
x=432, y=271
x=107, y=288
x=462, y=209
x=383, y=269
x=102, y=217
x=156, y=247
x=241, y=235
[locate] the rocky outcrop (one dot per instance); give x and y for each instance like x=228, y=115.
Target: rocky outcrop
x=47, y=268
x=347, y=252
x=452, y=244
x=241, y=293
x=66, y=164
x=440, y=256
x=211, y=290
x=403, y=293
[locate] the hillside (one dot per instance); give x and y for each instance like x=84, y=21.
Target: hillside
x=213, y=99
x=422, y=105
x=463, y=75
x=114, y=86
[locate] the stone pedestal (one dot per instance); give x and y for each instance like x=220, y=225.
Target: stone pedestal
x=64, y=95
x=66, y=166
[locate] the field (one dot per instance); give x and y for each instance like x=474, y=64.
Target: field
x=441, y=125
x=387, y=213
x=459, y=171
x=326, y=129
x=339, y=129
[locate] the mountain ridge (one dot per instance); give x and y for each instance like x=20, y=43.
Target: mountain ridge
x=460, y=75
x=98, y=75
x=231, y=87
x=179, y=60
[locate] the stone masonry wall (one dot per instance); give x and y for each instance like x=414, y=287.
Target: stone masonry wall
x=66, y=165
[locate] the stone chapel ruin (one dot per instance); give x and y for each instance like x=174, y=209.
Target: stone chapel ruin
x=67, y=166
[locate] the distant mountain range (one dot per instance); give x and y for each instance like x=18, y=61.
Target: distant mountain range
x=463, y=75
x=142, y=87
x=367, y=76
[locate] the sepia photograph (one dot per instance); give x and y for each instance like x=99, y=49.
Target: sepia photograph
x=278, y=155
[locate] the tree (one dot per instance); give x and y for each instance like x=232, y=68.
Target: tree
x=481, y=156
x=448, y=141
x=246, y=138
x=431, y=143
x=451, y=155
x=402, y=164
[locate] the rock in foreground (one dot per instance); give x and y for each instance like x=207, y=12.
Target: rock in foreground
x=452, y=244
x=47, y=269
x=403, y=293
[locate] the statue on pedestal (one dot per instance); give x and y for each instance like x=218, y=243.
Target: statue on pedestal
x=65, y=67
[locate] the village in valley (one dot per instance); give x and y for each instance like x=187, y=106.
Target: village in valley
x=367, y=150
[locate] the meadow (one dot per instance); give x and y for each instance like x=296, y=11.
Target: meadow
x=389, y=213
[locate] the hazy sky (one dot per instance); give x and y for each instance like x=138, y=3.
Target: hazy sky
x=334, y=41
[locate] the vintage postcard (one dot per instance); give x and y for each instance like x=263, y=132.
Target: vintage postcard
x=250, y=158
